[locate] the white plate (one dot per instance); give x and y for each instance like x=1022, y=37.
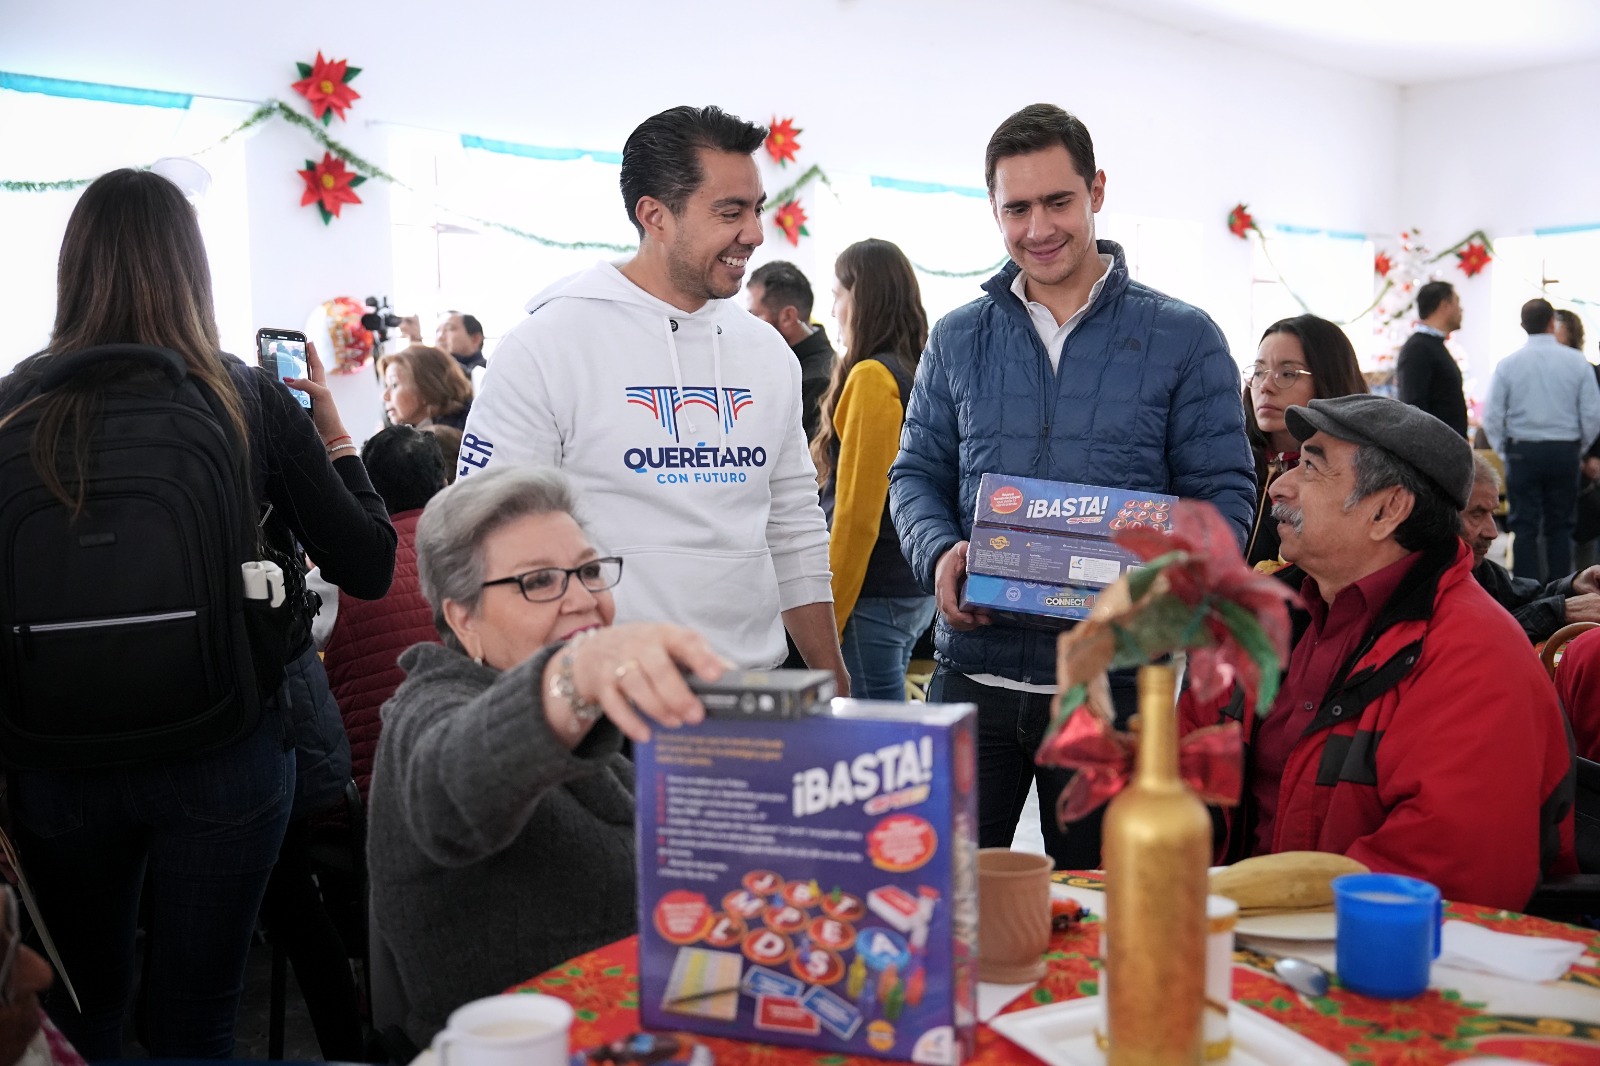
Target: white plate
x=1314, y=925
x=1063, y=1034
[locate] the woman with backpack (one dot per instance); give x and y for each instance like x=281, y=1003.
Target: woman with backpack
x=194, y=808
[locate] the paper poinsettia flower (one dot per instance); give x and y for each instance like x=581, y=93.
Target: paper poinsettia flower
x=330, y=185
x=792, y=220
x=1240, y=221
x=326, y=86
x=781, y=143
x=1382, y=264
x=1194, y=593
x=1473, y=258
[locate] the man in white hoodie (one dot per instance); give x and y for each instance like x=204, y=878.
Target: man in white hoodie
x=675, y=411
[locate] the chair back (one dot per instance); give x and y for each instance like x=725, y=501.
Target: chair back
x=1586, y=816
x=1550, y=654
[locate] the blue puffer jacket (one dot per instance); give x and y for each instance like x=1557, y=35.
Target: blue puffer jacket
x=1147, y=397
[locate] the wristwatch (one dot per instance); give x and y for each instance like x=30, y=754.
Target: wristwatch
x=585, y=712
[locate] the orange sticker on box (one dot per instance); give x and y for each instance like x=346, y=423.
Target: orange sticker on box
x=802, y=894
x=766, y=947
x=832, y=933
x=843, y=906
x=726, y=932
x=1006, y=499
x=682, y=917
x=901, y=843
x=785, y=919
x=743, y=903
x=763, y=882
x=817, y=965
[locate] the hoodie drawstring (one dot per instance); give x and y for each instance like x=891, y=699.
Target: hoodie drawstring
x=722, y=397
x=677, y=376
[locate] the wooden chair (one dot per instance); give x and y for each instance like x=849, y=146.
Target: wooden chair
x=1550, y=654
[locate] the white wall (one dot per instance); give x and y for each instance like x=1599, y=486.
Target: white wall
x=1184, y=126
x=1508, y=155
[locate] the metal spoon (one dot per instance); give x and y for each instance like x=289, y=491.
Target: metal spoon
x=1302, y=975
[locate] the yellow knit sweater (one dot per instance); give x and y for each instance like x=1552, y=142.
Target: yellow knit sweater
x=867, y=420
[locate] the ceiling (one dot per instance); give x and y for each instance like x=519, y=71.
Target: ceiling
x=1402, y=41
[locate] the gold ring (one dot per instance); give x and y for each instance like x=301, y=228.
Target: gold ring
x=621, y=671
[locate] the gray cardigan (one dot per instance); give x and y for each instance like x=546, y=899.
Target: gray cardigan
x=494, y=852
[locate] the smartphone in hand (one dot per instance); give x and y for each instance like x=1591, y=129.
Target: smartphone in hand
x=283, y=355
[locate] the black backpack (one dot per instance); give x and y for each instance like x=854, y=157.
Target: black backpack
x=124, y=632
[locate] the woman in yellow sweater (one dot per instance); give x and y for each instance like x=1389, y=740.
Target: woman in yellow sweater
x=879, y=606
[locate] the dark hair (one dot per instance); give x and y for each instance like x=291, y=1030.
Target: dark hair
x=133, y=269
x=1431, y=295
x=782, y=285
x=1537, y=314
x=405, y=465
x=1574, y=326
x=469, y=323
x=1433, y=520
x=1034, y=129
x=1329, y=356
x=886, y=321
x=448, y=438
x=444, y=387
x=662, y=156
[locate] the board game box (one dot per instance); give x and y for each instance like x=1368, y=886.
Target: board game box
x=812, y=881
x=1041, y=550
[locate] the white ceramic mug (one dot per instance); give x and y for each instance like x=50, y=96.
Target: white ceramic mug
x=521, y=1029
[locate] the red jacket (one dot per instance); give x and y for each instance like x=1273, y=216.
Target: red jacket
x=1440, y=751
x=367, y=639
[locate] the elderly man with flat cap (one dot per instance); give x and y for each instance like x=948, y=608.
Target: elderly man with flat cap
x=1414, y=731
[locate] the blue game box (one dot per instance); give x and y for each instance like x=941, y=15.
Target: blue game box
x=1040, y=551
x=813, y=881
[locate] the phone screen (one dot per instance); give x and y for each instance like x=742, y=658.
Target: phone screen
x=285, y=357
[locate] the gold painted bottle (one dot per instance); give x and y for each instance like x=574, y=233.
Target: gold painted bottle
x=1157, y=847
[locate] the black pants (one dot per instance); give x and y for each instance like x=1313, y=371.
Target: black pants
x=1011, y=726
x=1542, y=487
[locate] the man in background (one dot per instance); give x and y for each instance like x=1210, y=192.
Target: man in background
x=1543, y=411
x=1539, y=609
x=462, y=336
x=781, y=297
x=1425, y=372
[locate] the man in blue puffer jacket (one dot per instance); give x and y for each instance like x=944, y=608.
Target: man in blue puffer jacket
x=1066, y=370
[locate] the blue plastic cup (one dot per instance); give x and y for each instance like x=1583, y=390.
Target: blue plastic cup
x=1388, y=929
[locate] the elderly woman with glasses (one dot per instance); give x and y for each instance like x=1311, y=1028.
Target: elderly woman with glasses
x=501, y=837
x=1300, y=359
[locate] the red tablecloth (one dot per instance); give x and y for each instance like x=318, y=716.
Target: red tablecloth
x=1436, y=1027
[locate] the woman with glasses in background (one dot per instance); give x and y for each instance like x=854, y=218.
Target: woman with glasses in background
x=500, y=831
x=1300, y=359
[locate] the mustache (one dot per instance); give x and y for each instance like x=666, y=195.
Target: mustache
x=1292, y=516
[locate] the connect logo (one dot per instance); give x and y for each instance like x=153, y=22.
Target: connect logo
x=1005, y=500
x=665, y=403
x=1000, y=543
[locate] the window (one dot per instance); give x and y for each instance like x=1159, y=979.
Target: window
x=1331, y=273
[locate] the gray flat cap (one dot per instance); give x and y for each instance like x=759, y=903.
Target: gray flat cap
x=1405, y=432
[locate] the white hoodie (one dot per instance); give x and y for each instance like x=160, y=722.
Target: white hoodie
x=681, y=433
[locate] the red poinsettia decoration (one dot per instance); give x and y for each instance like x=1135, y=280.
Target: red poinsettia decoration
x=326, y=86
x=1473, y=258
x=1382, y=264
x=1194, y=593
x=1240, y=221
x=791, y=218
x=330, y=185
x=781, y=143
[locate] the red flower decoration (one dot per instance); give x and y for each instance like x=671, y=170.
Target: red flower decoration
x=1473, y=258
x=329, y=185
x=1383, y=264
x=781, y=143
x=1240, y=222
x=326, y=86
x=792, y=220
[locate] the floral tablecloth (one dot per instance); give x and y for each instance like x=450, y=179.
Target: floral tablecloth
x=1556, y=1023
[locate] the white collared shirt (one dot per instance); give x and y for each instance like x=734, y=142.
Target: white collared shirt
x=1055, y=335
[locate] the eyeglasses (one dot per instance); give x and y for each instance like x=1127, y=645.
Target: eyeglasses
x=1284, y=377
x=550, y=582
x=10, y=925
